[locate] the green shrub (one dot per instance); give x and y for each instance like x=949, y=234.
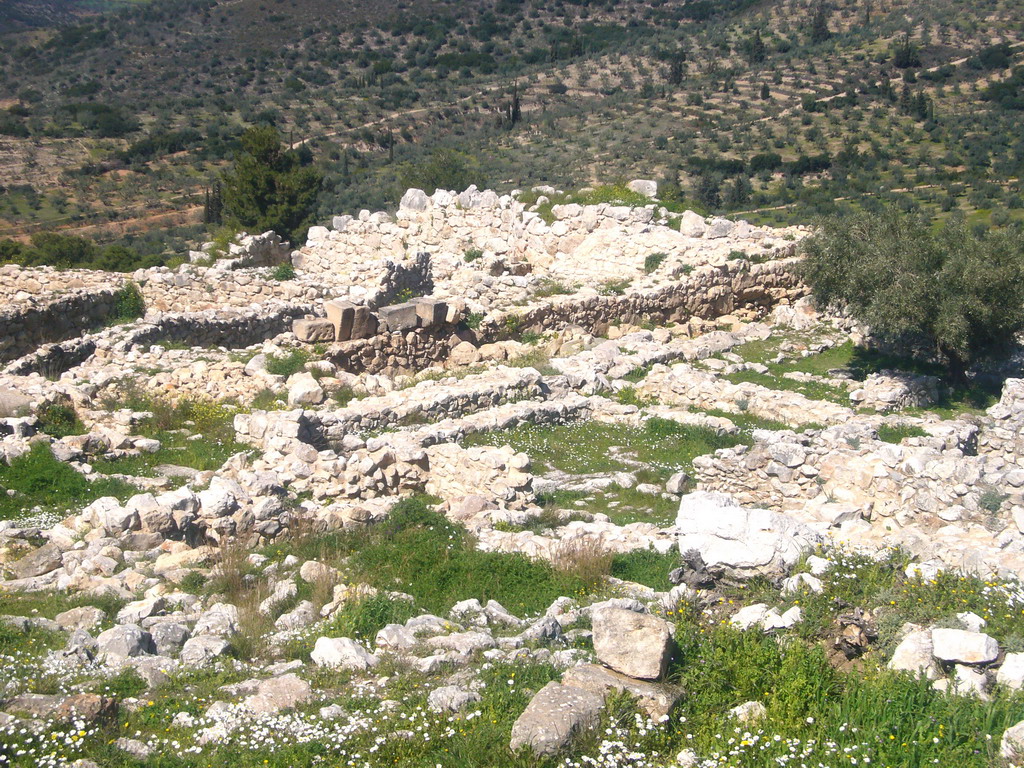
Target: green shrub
x=128, y=304
x=59, y=420
x=473, y=320
x=888, y=433
x=283, y=272
x=289, y=363
x=473, y=254
x=653, y=261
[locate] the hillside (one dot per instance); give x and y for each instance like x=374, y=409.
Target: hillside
x=775, y=111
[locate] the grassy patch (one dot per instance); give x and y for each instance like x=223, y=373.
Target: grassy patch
x=193, y=433
x=40, y=480
x=819, y=713
x=810, y=389
x=655, y=451
x=289, y=363
x=419, y=552
x=895, y=433
x=859, y=363
x=646, y=567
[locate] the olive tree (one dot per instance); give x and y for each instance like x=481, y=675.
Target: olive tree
x=958, y=294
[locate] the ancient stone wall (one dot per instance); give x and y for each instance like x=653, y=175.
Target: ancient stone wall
x=204, y=329
x=708, y=292
x=49, y=317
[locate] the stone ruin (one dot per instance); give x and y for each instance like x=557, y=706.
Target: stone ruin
x=461, y=316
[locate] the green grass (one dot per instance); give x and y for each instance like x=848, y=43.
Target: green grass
x=646, y=567
x=419, y=552
x=173, y=424
x=859, y=362
x=655, y=451
x=39, y=479
x=810, y=389
x=892, y=719
x=896, y=433
x=289, y=363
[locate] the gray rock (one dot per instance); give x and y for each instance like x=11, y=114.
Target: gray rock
x=451, y=698
x=554, y=716
x=676, y=484
x=220, y=619
x=200, y=650
x=38, y=562
x=168, y=636
x=544, y=630
x=136, y=611
x=740, y=542
x=958, y=645
x=1012, y=744
x=342, y=653
x=278, y=693
x=656, y=699
x=123, y=641
x=137, y=749
x=645, y=187
x=86, y=617
x=635, y=644
x=399, y=317
x=464, y=643
x=414, y=200
x=914, y=654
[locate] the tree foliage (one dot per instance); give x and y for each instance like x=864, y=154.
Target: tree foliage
x=71, y=252
x=270, y=187
x=958, y=293
x=444, y=169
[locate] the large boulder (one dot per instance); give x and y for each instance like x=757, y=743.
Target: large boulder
x=554, y=716
x=958, y=645
x=279, y=693
x=122, y=641
x=38, y=562
x=738, y=542
x=644, y=187
x=636, y=644
x=1012, y=745
x=914, y=654
x=342, y=653
x=303, y=389
x=656, y=699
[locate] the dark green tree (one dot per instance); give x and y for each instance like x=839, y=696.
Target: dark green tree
x=270, y=186
x=957, y=294
x=707, y=189
x=676, y=68
x=445, y=169
x=905, y=53
x=819, y=24
x=755, y=48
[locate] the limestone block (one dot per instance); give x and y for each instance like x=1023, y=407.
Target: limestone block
x=431, y=312
x=311, y=330
x=399, y=317
x=341, y=314
x=644, y=187
x=364, y=323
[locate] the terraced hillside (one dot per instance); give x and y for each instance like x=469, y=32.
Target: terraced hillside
x=775, y=111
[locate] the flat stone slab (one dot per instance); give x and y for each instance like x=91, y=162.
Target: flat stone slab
x=554, y=716
x=313, y=330
x=399, y=317
x=656, y=699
